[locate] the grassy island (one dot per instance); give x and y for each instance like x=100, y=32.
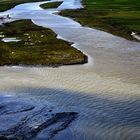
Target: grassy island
x=37, y=46
x=119, y=17
x=51, y=5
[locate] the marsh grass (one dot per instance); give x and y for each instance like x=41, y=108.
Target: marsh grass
x=119, y=17
x=51, y=5
x=38, y=46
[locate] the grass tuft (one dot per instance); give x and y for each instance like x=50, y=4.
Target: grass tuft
x=51, y=5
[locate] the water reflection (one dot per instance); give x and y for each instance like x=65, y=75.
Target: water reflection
x=99, y=117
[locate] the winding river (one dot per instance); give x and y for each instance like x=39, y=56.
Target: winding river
x=105, y=91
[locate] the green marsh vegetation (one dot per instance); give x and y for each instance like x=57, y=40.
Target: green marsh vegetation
x=119, y=17
x=38, y=46
x=51, y=5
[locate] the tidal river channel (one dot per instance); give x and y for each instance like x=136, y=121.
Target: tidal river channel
x=105, y=91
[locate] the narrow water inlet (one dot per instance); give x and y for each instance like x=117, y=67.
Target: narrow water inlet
x=13, y=39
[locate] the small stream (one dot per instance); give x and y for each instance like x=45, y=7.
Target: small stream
x=105, y=92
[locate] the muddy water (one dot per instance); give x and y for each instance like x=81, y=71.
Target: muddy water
x=105, y=92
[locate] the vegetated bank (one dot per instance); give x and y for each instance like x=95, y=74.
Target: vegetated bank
x=37, y=46
x=119, y=17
